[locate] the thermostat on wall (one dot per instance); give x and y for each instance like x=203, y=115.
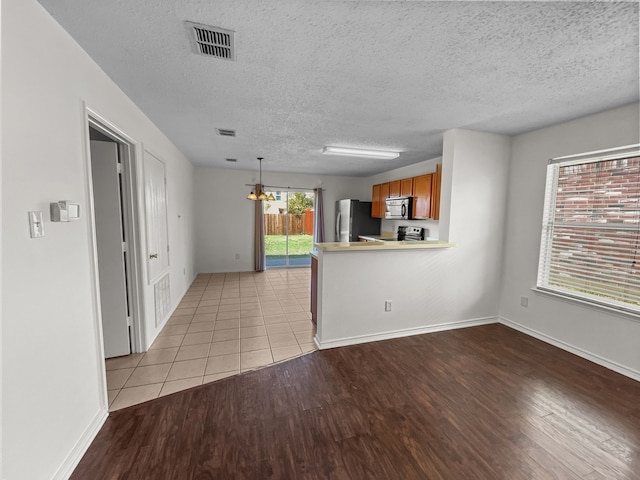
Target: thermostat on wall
x=64, y=211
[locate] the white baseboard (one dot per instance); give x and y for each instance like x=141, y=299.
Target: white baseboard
x=343, y=342
x=611, y=365
x=80, y=448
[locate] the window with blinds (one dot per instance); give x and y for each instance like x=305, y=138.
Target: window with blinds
x=591, y=228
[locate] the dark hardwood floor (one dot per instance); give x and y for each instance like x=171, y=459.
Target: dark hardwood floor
x=478, y=403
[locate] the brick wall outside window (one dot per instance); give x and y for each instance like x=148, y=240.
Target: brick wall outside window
x=596, y=235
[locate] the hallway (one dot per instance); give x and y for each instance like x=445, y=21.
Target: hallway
x=226, y=324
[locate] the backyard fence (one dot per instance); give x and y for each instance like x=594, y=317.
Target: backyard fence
x=276, y=224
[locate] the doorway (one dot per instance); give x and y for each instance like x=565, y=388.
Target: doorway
x=289, y=223
x=112, y=186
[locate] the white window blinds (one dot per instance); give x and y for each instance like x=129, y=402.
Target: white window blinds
x=591, y=228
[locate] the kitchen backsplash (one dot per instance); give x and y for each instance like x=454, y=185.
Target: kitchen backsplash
x=392, y=226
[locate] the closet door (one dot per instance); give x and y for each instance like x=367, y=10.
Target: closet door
x=155, y=192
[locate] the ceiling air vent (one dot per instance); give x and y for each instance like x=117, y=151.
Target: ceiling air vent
x=212, y=41
x=232, y=160
x=225, y=132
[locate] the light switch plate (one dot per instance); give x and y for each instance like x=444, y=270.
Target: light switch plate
x=36, y=226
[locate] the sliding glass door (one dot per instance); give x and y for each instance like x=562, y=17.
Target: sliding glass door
x=288, y=222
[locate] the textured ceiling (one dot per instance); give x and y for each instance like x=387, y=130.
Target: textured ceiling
x=379, y=74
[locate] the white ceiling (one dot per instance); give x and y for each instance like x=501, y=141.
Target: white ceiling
x=379, y=74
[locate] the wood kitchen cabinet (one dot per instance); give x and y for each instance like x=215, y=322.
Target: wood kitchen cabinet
x=379, y=194
x=394, y=188
x=422, y=196
x=406, y=187
x=425, y=190
x=376, y=203
x=436, y=181
x=384, y=194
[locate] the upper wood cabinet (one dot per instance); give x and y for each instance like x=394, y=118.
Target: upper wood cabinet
x=425, y=190
x=379, y=193
x=394, y=188
x=376, y=203
x=422, y=196
x=436, y=181
x=384, y=193
x=406, y=187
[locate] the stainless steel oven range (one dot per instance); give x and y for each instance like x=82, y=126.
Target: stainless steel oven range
x=411, y=234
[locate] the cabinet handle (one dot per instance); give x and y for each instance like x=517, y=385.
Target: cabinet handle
x=153, y=255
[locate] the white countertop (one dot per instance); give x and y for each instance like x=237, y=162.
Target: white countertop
x=386, y=238
x=378, y=245
x=378, y=238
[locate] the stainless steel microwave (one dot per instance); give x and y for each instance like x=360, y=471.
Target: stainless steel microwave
x=400, y=208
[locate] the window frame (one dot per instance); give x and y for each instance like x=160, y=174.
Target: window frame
x=549, y=222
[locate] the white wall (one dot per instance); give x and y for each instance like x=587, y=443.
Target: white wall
x=429, y=288
x=609, y=339
x=421, y=168
x=224, y=224
x=51, y=367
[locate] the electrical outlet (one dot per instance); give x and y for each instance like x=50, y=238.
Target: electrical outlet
x=524, y=301
x=387, y=306
x=237, y=256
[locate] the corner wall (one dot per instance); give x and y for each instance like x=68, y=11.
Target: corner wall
x=52, y=401
x=609, y=339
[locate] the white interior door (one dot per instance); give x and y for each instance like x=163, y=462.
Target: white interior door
x=110, y=246
x=156, y=217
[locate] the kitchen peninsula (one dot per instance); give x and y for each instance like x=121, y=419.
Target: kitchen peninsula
x=370, y=291
x=378, y=245
x=366, y=291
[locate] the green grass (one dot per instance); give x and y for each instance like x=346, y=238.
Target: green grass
x=298, y=244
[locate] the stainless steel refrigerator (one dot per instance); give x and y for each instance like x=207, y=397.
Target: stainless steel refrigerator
x=353, y=218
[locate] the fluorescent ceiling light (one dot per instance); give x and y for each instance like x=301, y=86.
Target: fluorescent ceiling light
x=359, y=152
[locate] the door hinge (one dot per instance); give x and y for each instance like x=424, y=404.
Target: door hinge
x=119, y=168
x=128, y=321
x=124, y=246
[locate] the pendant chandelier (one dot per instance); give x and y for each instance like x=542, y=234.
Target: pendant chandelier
x=259, y=193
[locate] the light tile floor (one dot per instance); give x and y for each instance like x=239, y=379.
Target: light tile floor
x=226, y=324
